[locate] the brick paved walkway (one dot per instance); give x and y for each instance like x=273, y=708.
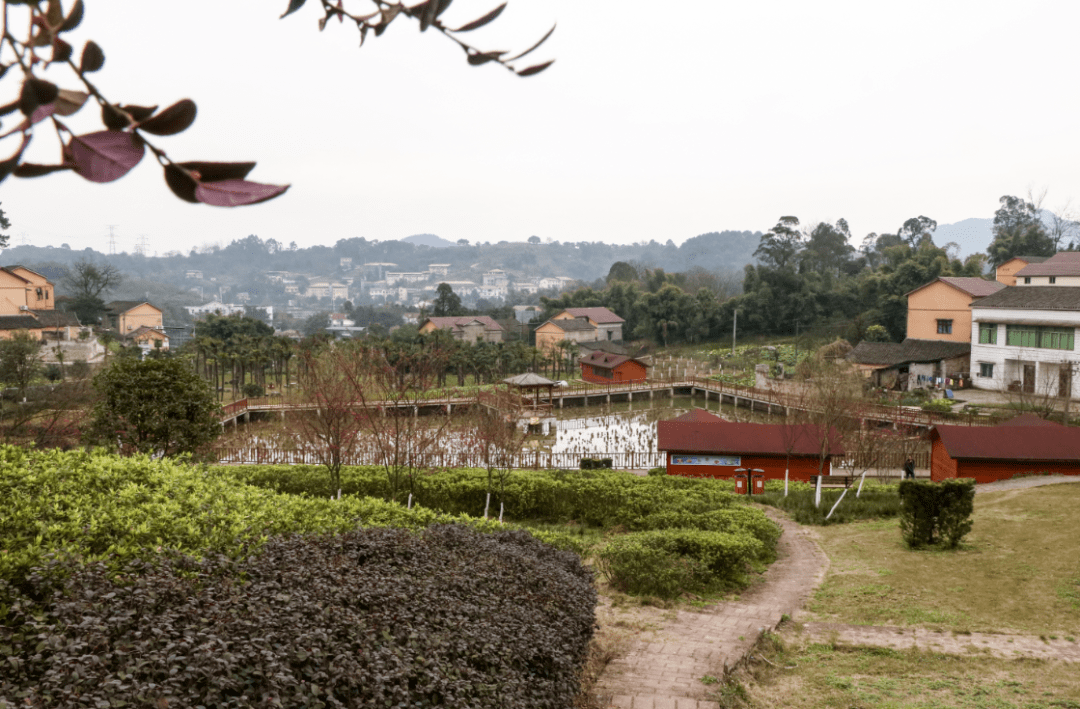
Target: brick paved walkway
x=666, y=672
x=995, y=644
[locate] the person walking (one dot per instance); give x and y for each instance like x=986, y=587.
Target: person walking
x=909, y=468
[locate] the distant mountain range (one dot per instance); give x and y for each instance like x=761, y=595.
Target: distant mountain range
x=971, y=235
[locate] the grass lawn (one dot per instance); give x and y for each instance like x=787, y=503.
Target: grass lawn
x=1018, y=570
x=821, y=675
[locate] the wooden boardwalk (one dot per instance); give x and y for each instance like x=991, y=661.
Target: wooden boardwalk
x=583, y=394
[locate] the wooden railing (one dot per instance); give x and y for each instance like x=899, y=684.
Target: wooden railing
x=621, y=460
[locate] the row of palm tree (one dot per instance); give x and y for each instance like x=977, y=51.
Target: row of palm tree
x=243, y=360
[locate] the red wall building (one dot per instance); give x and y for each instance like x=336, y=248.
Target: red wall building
x=1026, y=444
x=700, y=444
x=605, y=368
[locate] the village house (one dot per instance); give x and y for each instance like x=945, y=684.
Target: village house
x=1061, y=269
x=1006, y=272
x=467, y=328
x=1023, y=446
x=22, y=290
x=579, y=325
x=215, y=307
x=941, y=309
x=393, y=278
x=914, y=364
x=127, y=316
x=1024, y=340
x=701, y=444
x=496, y=278
x=327, y=289
x=146, y=339
x=606, y=368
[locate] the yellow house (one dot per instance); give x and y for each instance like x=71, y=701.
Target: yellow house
x=22, y=289
x=580, y=325
x=467, y=328
x=941, y=309
x=126, y=316
x=1006, y=272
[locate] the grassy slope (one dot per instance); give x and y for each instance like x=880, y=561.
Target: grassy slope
x=824, y=676
x=1019, y=570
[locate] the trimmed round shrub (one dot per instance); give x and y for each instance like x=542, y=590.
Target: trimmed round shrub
x=447, y=617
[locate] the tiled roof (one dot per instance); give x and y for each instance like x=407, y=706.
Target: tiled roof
x=19, y=322
x=142, y=330
x=575, y=325
x=1063, y=263
x=1043, y=444
x=602, y=316
x=122, y=306
x=529, y=379
x=56, y=318
x=742, y=438
x=458, y=322
x=977, y=287
x=1033, y=298
x=605, y=360
x=609, y=346
x=888, y=354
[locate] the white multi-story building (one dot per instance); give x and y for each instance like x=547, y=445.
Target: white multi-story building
x=438, y=269
x=491, y=292
x=1023, y=338
x=394, y=277
x=496, y=278
x=529, y=286
x=216, y=307
x=327, y=289
x=555, y=282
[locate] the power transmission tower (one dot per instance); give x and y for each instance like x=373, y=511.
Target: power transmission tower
x=112, y=239
x=143, y=243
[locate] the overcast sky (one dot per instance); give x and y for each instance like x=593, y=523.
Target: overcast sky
x=657, y=121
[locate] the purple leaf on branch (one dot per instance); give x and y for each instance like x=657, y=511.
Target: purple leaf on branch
x=106, y=155
x=236, y=193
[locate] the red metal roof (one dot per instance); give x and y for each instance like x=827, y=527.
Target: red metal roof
x=1029, y=420
x=1029, y=443
x=600, y=316
x=725, y=437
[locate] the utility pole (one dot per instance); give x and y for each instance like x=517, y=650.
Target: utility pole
x=734, y=324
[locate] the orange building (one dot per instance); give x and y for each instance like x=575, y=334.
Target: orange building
x=127, y=316
x=941, y=309
x=605, y=368
x=700, y=444
x=22, y=289
x=1006, y=272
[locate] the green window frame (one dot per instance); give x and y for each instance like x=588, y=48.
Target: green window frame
x=988, y=333
x=1050, y=338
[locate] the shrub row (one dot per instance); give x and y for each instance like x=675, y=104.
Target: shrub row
x=594, y=497
x=98, y=506
x=669, y=562
x=446, y=617
x=932, y=512
x=596, y=463
x=875, y=502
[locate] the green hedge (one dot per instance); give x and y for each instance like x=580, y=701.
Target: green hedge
x=936, y=512
x=669, y=562
x=97, y=506
x=593, y=497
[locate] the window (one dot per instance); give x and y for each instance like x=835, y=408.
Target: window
x=1027, y=280
x=986, y=369
x=1051, y=338
x=988, y=333
x=944, y=327
x=1053, y=280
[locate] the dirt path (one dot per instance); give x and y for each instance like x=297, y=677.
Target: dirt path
x=663, y=670
x=993, y=644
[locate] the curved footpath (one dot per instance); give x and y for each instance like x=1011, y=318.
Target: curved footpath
x=666, y=672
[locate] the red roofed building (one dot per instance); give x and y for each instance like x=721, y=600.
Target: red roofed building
x=700, y=444
x=467, y=328
x=1026, y=444
x=606, y=368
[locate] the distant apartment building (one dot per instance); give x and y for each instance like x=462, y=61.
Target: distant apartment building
x=438, y=269
x=197, y=275
x=395, y=277
x=555, y=282
x=529, y=286
x=345, y=263
x=496, y=278
x=327, y=289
